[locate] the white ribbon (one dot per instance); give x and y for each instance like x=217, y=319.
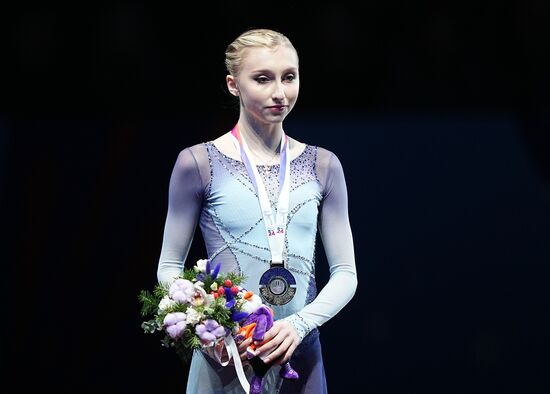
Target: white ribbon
x=275, y=222
x=232, y=353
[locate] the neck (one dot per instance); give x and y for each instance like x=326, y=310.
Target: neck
x=262, y=140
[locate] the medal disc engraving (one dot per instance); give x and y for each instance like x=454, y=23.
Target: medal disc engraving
x=277, y=286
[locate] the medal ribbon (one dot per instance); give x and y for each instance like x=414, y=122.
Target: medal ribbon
x=275, y=222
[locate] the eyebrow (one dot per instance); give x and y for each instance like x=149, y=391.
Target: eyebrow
x=267, y=71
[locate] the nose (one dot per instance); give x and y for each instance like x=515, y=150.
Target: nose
x=278, y=93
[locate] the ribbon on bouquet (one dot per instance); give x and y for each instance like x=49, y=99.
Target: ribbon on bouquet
x=232, y=352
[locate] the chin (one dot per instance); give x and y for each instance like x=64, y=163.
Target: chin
x=276, y=120
x=279, y=117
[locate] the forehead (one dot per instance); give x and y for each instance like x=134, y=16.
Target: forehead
x=279, y=58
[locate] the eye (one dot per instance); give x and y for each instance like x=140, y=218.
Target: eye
x=290, y=77
x=261, y=79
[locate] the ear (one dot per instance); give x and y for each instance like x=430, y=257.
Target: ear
x=232, y=85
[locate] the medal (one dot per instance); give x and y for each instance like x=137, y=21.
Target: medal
x=277, y=284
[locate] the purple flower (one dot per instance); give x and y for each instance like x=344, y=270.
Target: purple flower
x=175, y=323
x=216, y=270
x=201, y=276
x=213, y=273
x=182, y=290
x=209, y=331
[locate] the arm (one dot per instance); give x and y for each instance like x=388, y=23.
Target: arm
x=335, y=231
x=184, y=204
x=336, y=235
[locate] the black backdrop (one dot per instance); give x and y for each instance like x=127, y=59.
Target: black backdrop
x=438, y=112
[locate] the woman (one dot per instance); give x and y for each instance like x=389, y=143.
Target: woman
x=259, y=197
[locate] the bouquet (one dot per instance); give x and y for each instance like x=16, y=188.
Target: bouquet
x=204, y=310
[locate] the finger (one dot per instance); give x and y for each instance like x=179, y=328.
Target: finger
x=279, y=351
x=245, y=353
x=244, y=344
x=287, y=355
x=275, y=335
x=268, y=347
x=269, y=335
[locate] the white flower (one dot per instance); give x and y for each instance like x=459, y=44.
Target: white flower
x=166, y=302
x=199, y=298
x=193, y=317
x=181, y=290
x=201, y=265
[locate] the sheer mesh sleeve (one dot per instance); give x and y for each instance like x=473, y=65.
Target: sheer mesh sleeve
x=337, y=239
x=184, y=204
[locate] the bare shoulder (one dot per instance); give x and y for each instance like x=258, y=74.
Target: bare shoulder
x=296, y=147
x=222, y=139
x=225, y=145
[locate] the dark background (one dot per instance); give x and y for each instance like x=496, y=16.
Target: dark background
x=439, y=113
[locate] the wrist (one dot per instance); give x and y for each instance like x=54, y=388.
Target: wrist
x=300, y=325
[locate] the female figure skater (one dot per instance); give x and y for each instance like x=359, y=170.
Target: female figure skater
x=259, y=197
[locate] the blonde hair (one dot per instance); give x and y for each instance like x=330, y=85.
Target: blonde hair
x=252, y=38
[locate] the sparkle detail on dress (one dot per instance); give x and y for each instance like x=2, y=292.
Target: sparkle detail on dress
x=303, y=171
x=235, y=227
x=301, y=332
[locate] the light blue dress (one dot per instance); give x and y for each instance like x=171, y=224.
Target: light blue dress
x=213, y=190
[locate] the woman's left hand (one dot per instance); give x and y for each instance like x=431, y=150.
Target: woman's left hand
x=279, y=343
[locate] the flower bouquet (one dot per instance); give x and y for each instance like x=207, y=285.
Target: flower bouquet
x=204, y=310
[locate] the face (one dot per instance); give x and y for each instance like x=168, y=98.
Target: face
x=267, y=83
